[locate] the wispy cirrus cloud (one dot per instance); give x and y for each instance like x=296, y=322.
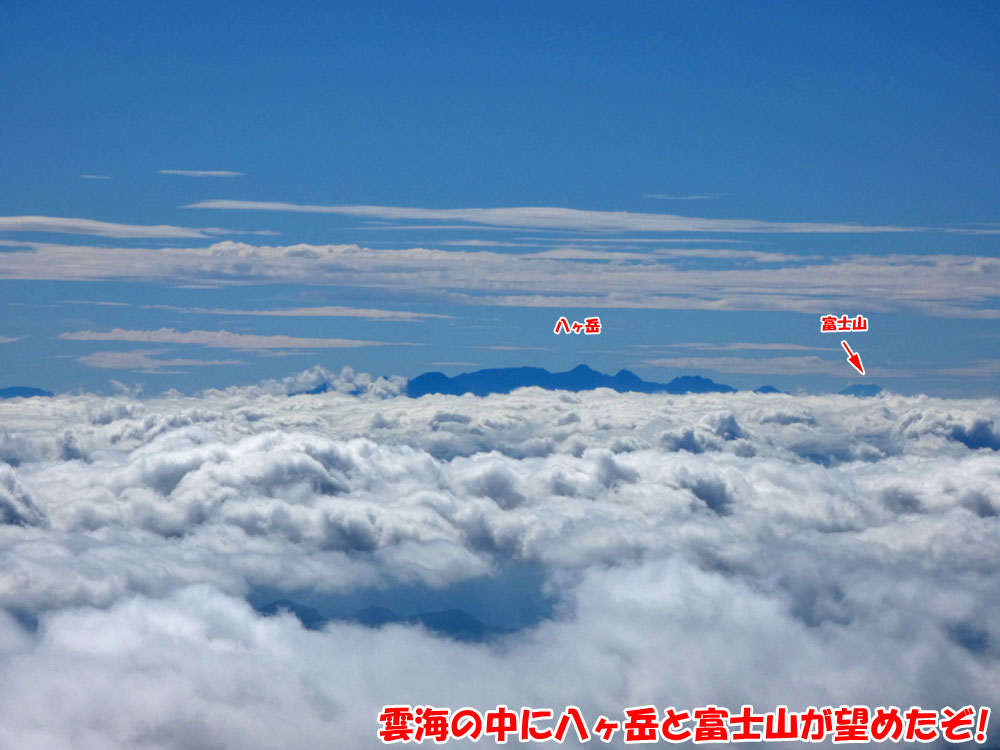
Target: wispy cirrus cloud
x=669, y=197
x=626, y=250
x=328, y=311
x=487, y=243
x=95, y=177
x=100, y=228
x=740, y=346
x=9, y=339
x=756, y=256
x=506, y=348
x=559, y=218
x=932, y=284
x=201, y=172
x=983, y=368
x=580, y=253
x=218, y=339
x=646, y=240
x=255, y=232
x=145, y=361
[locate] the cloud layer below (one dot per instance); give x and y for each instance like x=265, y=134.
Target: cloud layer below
x=720, y=548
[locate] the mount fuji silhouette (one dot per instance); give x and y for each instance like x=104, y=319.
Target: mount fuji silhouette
x=580, y=378
x=862, y=390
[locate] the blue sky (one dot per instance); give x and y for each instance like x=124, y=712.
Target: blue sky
x=709, y=179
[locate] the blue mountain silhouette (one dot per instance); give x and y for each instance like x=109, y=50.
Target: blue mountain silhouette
x=22, y=391
x=862, y=390
x=580, y=378
x=768, y=389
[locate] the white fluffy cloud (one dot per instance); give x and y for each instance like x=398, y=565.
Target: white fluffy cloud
x=723, y=548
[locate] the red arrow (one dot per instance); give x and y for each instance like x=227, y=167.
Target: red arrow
x=854, y=358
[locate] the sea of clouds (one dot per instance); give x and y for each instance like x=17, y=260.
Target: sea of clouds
x=721, y=548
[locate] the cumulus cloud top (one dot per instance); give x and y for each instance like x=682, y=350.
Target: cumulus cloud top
x=721, y=548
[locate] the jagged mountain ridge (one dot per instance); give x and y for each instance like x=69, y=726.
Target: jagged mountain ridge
x=580, y=378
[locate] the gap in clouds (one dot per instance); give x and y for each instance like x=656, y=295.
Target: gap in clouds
x=513, y=597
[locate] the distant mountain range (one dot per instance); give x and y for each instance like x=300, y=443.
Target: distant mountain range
x=580, y=378
x=22, y=391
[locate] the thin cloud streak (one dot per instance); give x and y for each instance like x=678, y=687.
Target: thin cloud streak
x=502, y=348
x=100, y=228
x=808, y=365
x=220, y=339
x=487, y=243
x=143, y=361
x=637, y=240
x=331, y=311
x=741, y=346
x=560, y=218
x=666, y=197
x=98, y=303
x=201, y=173
x=757, y=256
x=985, y=368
